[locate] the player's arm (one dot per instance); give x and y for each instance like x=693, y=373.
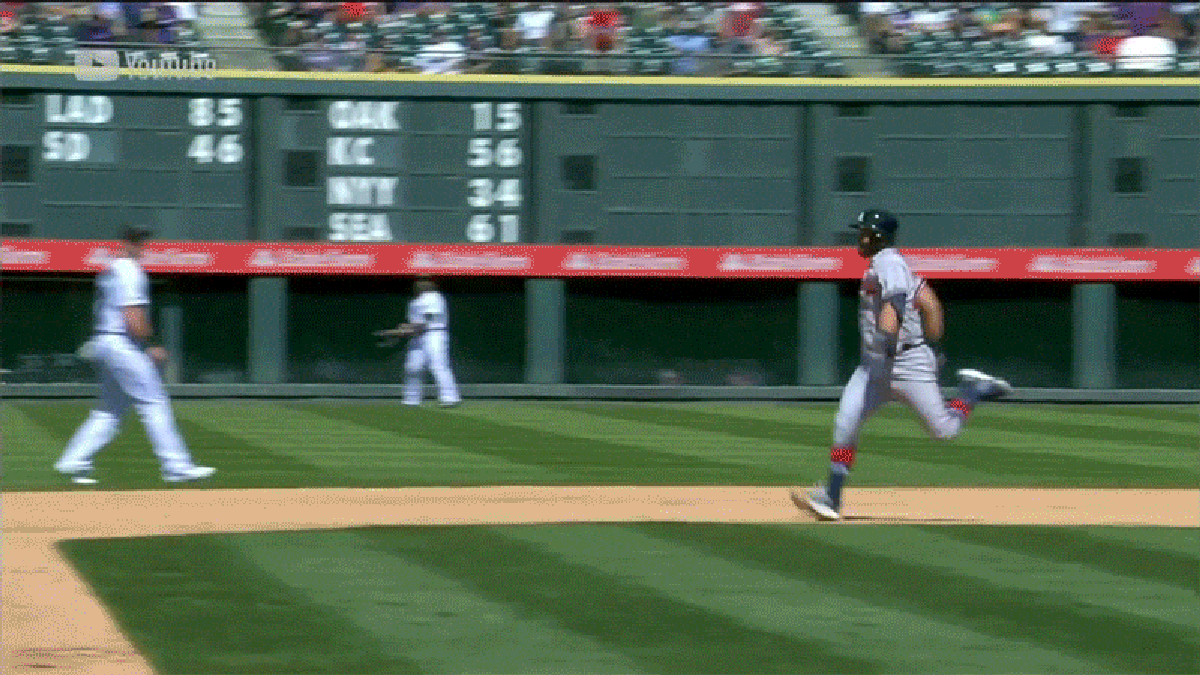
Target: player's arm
x=137, y=322
x=930, y=308
x=889, y=322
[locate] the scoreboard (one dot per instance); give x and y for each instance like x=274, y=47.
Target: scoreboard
x=423, y=171
x=227, y=168
x=82, y=165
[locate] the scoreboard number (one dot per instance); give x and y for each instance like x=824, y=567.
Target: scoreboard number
x=486, y=191
x=505, y=116
x=228, y=149
x=226, y=112
x=506, y=154
x=480, y=229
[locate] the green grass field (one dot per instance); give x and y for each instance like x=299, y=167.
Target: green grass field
x=643, y=597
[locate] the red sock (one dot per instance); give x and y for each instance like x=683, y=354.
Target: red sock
x=961, y=407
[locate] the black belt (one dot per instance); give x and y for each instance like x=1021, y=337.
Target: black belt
x=109, y=332
x=904, y=348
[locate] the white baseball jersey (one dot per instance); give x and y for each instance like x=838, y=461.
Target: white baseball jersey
x=889, y=277
x=429, y=308
x=123, y=283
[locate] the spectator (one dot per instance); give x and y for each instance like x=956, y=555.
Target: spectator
x=1041, y=43
x=689, y=42
x=503, y=22
x=1106, y=39
x=443, y=55
x=1139, y=18
x=98, y=28
x=316, y=55
x=1066, y=19
x=154, y=26
x=604, y=24
x=533, y=25
x=185, y=13
x=1146, y=53
x=741, y=25
x=769, y=44
x=478, y=46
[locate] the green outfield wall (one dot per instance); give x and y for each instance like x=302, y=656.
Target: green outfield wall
x=623, y=161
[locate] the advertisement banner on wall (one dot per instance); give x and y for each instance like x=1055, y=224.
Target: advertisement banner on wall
x=817, y=263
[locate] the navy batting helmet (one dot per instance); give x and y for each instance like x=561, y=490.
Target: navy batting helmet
x=879, y=220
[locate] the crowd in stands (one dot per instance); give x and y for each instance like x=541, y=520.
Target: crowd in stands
x=684, y=38
x=105, y=22
x=1144, y=36
x=51, y=32
x=648, y=38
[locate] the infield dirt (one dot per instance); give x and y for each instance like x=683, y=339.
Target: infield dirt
x=51, y=621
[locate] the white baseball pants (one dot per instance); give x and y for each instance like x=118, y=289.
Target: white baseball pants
x=429, y=350
x=870, y=388
x=127, y=377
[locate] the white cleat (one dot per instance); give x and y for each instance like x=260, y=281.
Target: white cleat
x=79, y=477
x=987, y=386
x=817, y=501
x=191, y=474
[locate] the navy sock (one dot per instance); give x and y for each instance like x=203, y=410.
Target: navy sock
x=838, y=471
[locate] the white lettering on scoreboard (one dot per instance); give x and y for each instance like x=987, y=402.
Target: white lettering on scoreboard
x=369, y=192
x=73, y=144
x=495, y=189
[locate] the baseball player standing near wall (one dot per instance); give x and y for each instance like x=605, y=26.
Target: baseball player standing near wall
x=900, y=321
x=428, y=324
x=125, y=358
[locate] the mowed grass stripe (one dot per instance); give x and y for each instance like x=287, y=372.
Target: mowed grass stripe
x=658, y=633
x=897, y=434
x=1187, y=544
x=437, y=622
x=1076, y=546
x=30, y=450
x=743, y=457
x=1078, y=425
x=366, y=452
x=581, y=460
x=1038, y=560
x=845, y=561
x=1181, y=414
x=194, y=605
x=760, y=598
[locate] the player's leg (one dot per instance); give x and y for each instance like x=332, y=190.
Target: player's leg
x=414, y=371
x=101, y=425
x=138, y=377
x=439, y=365
x=865, y=392
x=941, y=419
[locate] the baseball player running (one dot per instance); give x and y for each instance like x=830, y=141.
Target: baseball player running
x=125, y=359
x=427, y=324
x=900, y=321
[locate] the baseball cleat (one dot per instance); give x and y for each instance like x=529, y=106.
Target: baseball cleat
x=189, y=474
x=817, y=501
x=986, y=387
x=78, y=476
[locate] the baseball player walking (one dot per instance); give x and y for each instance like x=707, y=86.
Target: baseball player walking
x=428, y=324
x=900, y=321
x=125, y=359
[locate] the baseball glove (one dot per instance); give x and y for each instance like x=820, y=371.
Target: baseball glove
x=393, y=335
